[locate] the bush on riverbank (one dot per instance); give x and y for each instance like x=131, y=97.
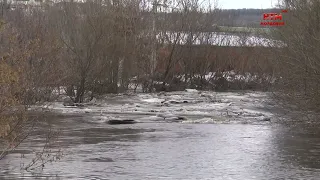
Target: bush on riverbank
x=218, y=82
x=11, y=111
x=298, y=62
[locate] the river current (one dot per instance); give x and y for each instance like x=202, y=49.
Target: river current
x=153, y=149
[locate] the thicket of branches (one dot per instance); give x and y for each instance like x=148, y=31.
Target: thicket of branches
x=298, y=63
x=99, y=46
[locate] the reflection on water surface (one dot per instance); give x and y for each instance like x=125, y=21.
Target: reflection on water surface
x=178, y=151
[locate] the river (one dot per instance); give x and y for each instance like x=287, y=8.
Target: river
x=153, y=149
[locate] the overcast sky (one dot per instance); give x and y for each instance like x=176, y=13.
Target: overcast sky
x=239, y=4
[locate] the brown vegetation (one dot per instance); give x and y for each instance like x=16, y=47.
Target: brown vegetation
x=298, y=63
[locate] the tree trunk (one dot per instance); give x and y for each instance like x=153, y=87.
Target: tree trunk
x=80, y=91
x=115, y=76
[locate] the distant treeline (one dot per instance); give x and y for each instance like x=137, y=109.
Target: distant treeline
x=222, y=17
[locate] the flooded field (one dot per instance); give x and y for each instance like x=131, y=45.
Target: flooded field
x=222, y=136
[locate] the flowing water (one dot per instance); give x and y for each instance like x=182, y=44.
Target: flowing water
x=160, y=150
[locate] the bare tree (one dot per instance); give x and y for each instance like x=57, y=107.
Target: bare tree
x=297, y=62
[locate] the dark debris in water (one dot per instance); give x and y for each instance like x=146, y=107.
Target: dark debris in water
x=266, y=119
x=125, y=121
x=100, y=159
